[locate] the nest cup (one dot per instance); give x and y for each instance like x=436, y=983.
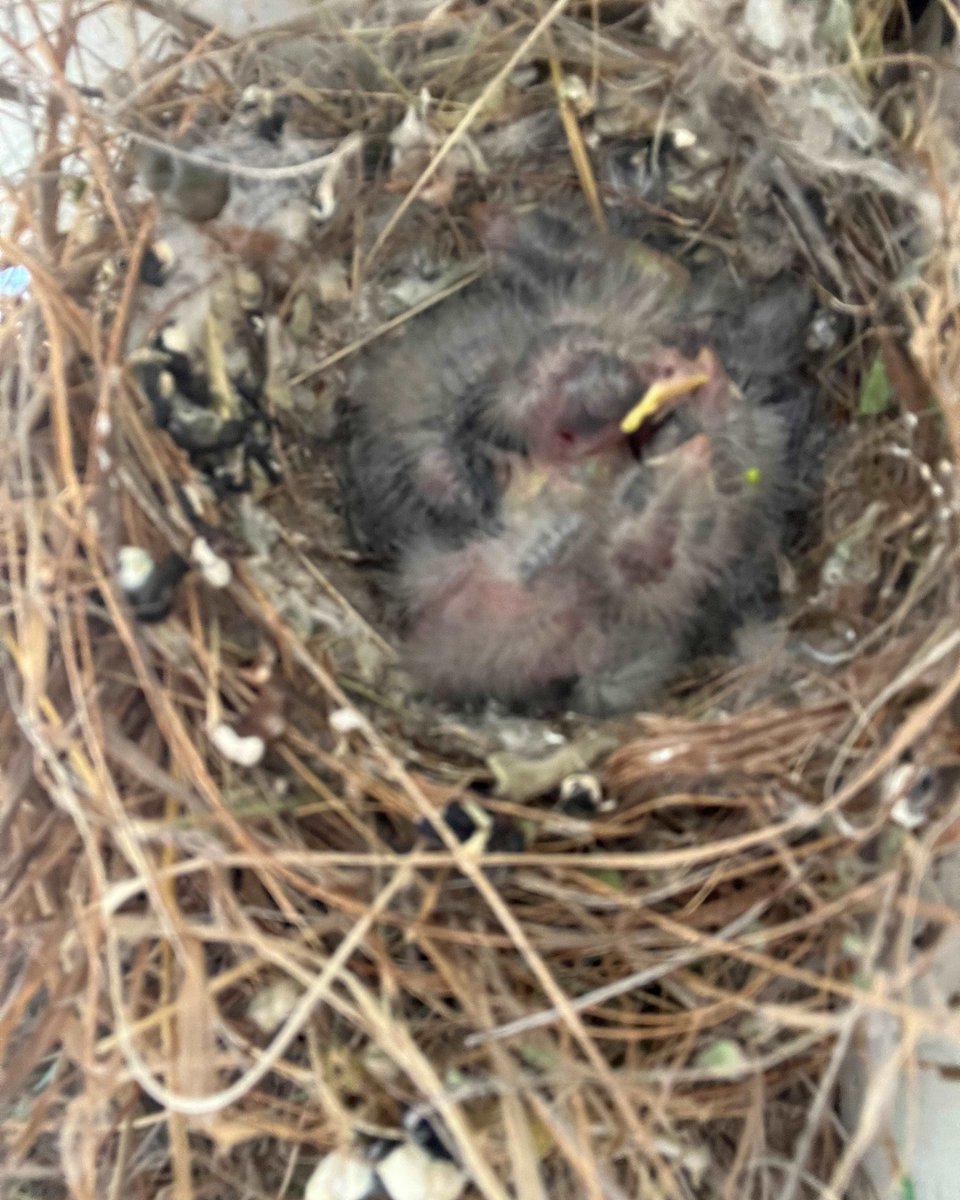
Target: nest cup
x=272, y=920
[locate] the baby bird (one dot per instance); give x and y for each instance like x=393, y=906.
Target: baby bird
x=500, y=370
x=511, y=614
x=689, y=542
x=411, y=468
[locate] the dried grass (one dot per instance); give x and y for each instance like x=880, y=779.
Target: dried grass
x=655, y=1002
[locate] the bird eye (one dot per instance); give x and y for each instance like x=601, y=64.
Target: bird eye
x=567, y=436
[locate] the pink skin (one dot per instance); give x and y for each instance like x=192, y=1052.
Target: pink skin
x=496, y=225
x=647, y=560
x=478, y=630
x=562, y=445
x=437, y=478
x=481, y=628
x=714, y=399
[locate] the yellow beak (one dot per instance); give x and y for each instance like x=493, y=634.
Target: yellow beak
x=659, y=394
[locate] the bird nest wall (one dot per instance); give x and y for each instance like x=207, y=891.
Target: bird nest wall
x=275, y=921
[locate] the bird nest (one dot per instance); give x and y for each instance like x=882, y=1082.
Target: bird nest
x=269, y=914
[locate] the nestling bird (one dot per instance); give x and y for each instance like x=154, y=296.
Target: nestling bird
x=690, y=542
x=573, y=489
x=411, y=466
x=500, y=370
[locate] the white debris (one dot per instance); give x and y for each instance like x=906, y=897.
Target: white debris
x=910, y=788
x=214, y=569
x=134, y=567
x=413, y=132
x=662, y=755
x=905, y=815
x=767, y=22
x=342, y=1175
x=176, y=339
x=409, y=1173
x=577, y=95
x=271, y=1006
x=244, y=751
x=346, y=720
x=325, y=196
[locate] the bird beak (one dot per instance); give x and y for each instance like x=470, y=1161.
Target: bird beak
x=667, y=391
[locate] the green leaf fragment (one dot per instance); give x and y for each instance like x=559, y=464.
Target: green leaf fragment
x=724, y=1057
x=538, y=1057
x=613, y=879
x=875, y=391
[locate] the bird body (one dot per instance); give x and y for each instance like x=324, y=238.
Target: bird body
x=412, y=466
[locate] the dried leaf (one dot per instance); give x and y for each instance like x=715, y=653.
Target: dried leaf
x=520, y=778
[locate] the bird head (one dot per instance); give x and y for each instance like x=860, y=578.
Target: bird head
x=576, y=398
x=582, y=401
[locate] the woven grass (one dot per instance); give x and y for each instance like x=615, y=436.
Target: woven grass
x=656, y=1001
